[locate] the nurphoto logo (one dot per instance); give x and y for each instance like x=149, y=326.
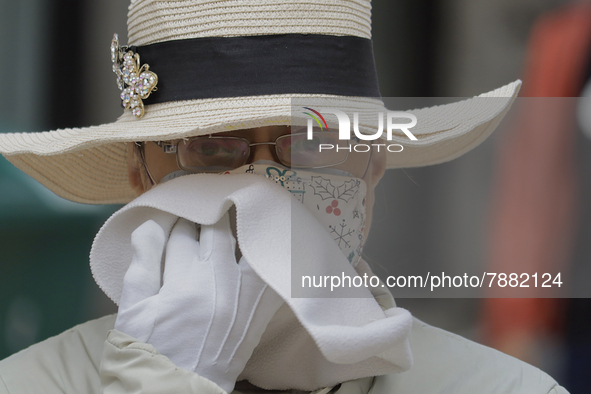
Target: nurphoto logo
x=392, y=123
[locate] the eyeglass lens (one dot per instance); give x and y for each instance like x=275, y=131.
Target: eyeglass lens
x=212, y=154
x=296, y=150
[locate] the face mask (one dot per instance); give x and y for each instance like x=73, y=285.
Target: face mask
x=335, y=198
x=174, y=175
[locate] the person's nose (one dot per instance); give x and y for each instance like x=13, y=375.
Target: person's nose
x=262, y=152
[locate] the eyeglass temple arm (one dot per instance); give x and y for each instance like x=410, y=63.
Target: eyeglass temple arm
x=140, y=147
x=167, y=147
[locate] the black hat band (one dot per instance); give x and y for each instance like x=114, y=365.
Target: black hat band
x=215, y=67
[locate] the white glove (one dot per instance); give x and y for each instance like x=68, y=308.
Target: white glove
x=210, y=312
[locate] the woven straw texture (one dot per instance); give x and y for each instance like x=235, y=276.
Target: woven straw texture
x=155, y=21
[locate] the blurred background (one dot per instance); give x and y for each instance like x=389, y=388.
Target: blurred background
x=55, y=72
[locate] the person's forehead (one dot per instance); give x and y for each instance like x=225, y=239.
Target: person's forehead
x=258, y=132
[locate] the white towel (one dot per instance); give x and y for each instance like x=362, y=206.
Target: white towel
x=332, y=340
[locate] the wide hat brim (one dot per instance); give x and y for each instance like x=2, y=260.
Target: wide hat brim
x=89, y=165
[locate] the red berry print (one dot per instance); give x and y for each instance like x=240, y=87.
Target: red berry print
x=332, y=208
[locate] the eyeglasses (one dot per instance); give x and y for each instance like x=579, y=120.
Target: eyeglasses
x=220, y=153
x=215, y=153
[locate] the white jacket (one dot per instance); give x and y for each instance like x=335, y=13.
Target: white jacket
x=95, y=358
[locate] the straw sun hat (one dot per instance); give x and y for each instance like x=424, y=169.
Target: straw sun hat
x=220, y=65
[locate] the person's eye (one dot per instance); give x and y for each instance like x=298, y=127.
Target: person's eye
x=209, y=148
x=311, y=145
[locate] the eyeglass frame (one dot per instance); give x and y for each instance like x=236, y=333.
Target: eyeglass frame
x=170, y=148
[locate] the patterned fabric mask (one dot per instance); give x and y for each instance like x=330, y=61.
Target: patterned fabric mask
x=335, y=198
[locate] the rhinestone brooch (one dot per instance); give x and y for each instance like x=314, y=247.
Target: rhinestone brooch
x=135, y=82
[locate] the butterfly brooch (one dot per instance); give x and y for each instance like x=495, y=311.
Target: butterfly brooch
x=135, y=82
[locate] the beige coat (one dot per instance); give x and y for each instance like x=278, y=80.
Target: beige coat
x=94, y=358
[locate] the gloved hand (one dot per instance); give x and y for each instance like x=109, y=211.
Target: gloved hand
x=209, y=313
